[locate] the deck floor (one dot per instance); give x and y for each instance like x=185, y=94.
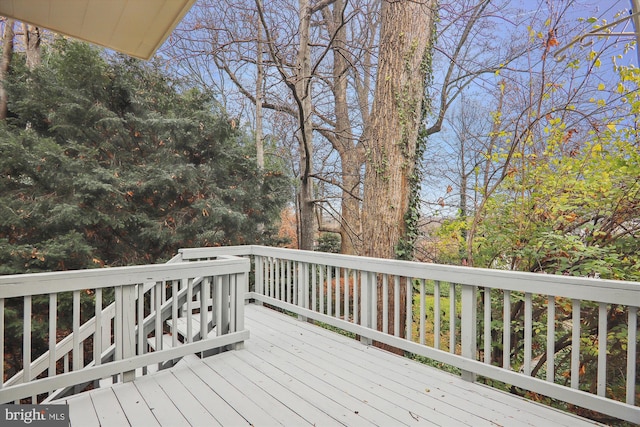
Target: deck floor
x=292, y=373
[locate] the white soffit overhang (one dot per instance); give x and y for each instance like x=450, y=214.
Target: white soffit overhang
x=134, y=27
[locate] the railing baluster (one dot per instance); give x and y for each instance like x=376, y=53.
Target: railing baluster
x=506, y=331
x=152, y=299
x=278, y=280
x=356, y=309
x=632, y=337
x=157, y=313
x=385, y=303
x=575, y=343
x=189, y=310
x=409, y=307
x=296, y=279
x=300, y=284
x=303, y=282
x=528, y=331
x=53, y=332
x=551, y=337
x=288, y=283
x=142, y=339
x=396, y=306
x=346, y=294
x=274, y=278
x=229, y=293
x=117, y=324
x=436, y=314
x=219, y=301
x=602, y=349
x=98, y=333
x=229, y=310
x=373, y=308
x=422, y=311
x=322, y=288
x=26, y=341
x=283, y=280
x=487, y=325
x=329, y=291
x=336, y=274
x=268, y=267
x=76, y=352
x=314, y=287
x=174, y=313
x=266, y=275
x=299, y=294
x=452, y=318
x=273, y=281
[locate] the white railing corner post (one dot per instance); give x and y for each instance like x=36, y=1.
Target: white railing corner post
x=468, y=326
x=222, y=306
x=242, y=281
x=128, y=328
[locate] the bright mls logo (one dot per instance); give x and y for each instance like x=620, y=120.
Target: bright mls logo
x=34, y=415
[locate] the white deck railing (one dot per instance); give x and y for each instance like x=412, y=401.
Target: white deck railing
x=581, y=324
x=122, y=318
x=505, y=326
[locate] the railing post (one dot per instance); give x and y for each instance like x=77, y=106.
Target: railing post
x=259, y=285
x=468, y=326
x=128, y=328
x=303, y=288
x=368, y=280
x=238, y=293
x=222, y=305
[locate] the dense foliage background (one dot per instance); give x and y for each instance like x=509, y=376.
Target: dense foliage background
x=110, y=161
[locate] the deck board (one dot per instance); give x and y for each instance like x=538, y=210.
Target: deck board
x=356, y=394
x=457, y=399
x=108, y=409
x=203, y=393
x=83, y=412
x=191, y=409
x=293, y=373
x=407, y=405
x=335, y=409
x=135, y=407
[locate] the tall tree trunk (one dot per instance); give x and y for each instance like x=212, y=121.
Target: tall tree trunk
x=350, y=222
x=403, y=63
x=344, y=141
x=7, y=55
x=259, y=97
x=32, y=40
x=303, y=95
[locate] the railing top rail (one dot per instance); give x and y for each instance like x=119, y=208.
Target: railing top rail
x=607, y=291
x=19, y=285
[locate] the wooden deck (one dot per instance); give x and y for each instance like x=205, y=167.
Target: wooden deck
x=292, y=373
